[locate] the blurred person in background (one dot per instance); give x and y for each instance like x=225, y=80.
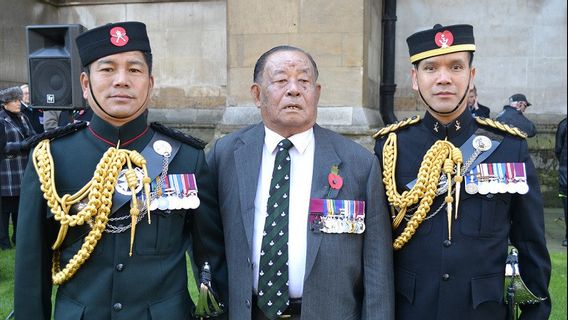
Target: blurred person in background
x=34, y=115
x=17, y=128
x=512, y=114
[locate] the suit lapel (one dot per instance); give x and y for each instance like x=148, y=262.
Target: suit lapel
x=325, y=156
x=248, y=158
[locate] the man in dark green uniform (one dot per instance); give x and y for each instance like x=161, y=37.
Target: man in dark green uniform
x=458, y=187
x=109, y=210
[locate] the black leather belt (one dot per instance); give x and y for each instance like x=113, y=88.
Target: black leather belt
x=294, y=309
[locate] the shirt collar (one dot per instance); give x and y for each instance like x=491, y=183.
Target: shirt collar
x=449, y=130
x=126, y=133
x=300, y=140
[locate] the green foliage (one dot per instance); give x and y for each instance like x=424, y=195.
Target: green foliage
x=557, y=284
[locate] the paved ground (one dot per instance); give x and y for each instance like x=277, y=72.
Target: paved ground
x=555, y=228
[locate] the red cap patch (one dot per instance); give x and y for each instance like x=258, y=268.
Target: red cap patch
x=444, y=39
x=119, y=37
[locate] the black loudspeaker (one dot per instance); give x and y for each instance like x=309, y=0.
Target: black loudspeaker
x=54, y=67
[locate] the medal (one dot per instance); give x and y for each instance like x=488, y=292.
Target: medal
x=483, y=187
x=162, y=203
x=122, y=185
x=471, y=181
x=190, y=190
x=481, y=143
x=153, y=204
x=162, y=148
x=522, y=186
x=193, y=200
x=510, y=177
x=186, y=203
x=501, y=179
x=492, y=178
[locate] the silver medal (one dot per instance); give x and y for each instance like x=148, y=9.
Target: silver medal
x=522, y=187
x=186, y=203
x=179, y=203
x=193, y=201
x=481, y=143
x=153, y=204
x=163, y=203
x=171, y=202
x=471, y=188
x=483, y=188
x=511, y=187
x=162, y=148
x=360, y=226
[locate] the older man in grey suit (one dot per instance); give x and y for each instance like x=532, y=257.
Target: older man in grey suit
x=307, y=231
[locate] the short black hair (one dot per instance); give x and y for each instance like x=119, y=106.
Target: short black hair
x=261, y=62
x=147, y=58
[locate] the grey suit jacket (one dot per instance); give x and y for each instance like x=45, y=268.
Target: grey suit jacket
x=348, y=276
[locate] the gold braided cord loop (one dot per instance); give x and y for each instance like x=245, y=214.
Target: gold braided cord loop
x=501, y=126
x=396, y=126
x=439, y=157
x=98, y=191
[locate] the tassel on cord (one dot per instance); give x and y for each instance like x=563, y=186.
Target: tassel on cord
x=458, y=160
x=208, y=304
x=448, y=167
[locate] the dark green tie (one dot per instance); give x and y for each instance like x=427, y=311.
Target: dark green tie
x=273, y=269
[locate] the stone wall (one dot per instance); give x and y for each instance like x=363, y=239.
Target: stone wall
x=521, y=46
x=343, y=37
x=205, y=52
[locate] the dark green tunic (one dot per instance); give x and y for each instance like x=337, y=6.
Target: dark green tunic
x=152, y=283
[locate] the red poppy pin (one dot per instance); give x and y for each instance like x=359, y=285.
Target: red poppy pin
x=444, y=39
x=118, y=36
x=334, y=179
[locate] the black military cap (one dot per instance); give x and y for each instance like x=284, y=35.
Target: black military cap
x=112, y=38
x=519, y=97
x=10, y=94
x=440, y=40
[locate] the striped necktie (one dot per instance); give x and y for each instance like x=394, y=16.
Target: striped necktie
x=273, y=269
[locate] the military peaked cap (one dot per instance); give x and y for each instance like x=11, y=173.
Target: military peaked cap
x=440, y=40
x=112, y=38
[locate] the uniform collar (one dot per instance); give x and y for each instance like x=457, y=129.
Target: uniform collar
x=126, y=134
x=450, y=130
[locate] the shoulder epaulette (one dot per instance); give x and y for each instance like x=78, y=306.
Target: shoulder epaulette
x=396, y=126
x=176, y=134
x=55, y=133
x=501, y=126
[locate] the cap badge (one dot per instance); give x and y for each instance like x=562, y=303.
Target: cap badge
x=444, y=39
x=118, y=36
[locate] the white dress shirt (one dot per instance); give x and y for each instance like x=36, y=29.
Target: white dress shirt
x=302, y=157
